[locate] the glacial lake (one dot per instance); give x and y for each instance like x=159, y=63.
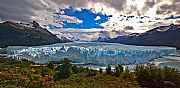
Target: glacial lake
x=172, y=60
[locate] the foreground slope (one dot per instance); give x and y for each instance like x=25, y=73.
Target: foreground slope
x=25, y=74
x=12, y=34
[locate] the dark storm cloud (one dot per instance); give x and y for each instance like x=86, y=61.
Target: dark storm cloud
x=169, y=8
x=24, y=10
x=150, y=3
x=117, y=4
x=178, y=21
x=166, y=9
x=28, y=10
x=72, y=3
x=83, y=3
x=128, y=28
x=20, y=10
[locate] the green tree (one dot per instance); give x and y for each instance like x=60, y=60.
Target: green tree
x=100, y=70
x=90, y=72
x=45, y=71
x=66, y=61
x=121, y=69
x=75, y=69
x=108, y=70
x=172, y=75
x=116, y=71
x=50, y=65
x=152, y=76
x=63, y=70
x=127, y=75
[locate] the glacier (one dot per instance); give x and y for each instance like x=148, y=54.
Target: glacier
x=90, y=53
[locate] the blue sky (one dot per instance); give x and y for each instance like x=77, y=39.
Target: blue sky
x=138, y=15
x=41, y=11
x=86, y=15
x=88, y=20
x=173, y=17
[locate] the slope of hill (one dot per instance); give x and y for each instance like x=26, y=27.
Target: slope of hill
x=12, y=34
x=160, y=36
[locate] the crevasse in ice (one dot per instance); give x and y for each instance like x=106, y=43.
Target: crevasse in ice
x=90, y=53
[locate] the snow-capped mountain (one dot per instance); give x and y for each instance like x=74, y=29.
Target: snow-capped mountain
x=13, y=34
x=160, y=36
x=86, y=35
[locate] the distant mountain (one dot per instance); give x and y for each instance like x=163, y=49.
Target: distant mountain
x=86, y=35
x=100, y=39
x=12, y=34
x=160, y=36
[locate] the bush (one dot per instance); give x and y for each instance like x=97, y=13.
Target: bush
x=90, y=72
x=100, y=70
x=118, y=70
x=151, y=76
x=75, y=69
x=50, y=65
x=108, y=70
x=46, y=71
x=63, y=71
x=129, y=76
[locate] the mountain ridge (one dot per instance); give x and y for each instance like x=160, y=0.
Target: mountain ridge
x=159, y=36
x=20, y=34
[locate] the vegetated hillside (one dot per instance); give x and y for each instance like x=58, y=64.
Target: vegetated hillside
x=160, y=36
x=27, y=74
x=12, y=34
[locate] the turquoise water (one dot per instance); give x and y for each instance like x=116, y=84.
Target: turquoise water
x=172, y=60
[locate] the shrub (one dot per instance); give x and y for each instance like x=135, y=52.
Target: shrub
x=64, y=70
x=151, y=76
x=75, y=69
x=118, y=70
x=90, y=72
x=100, y=70
x=50, y=65
x=129, y=76
x=46, y=71
x=108, y=70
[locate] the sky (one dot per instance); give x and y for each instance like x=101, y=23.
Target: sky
x=82, y=16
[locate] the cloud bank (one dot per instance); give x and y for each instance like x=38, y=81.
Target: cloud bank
x=130, y=15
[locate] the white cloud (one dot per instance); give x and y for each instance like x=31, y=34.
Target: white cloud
x=0, y=19
x=87, y=34
x=97, y=18
x=42, y=11
x=69, y=19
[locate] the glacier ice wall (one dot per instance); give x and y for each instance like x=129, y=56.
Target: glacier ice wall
x=90, y=53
